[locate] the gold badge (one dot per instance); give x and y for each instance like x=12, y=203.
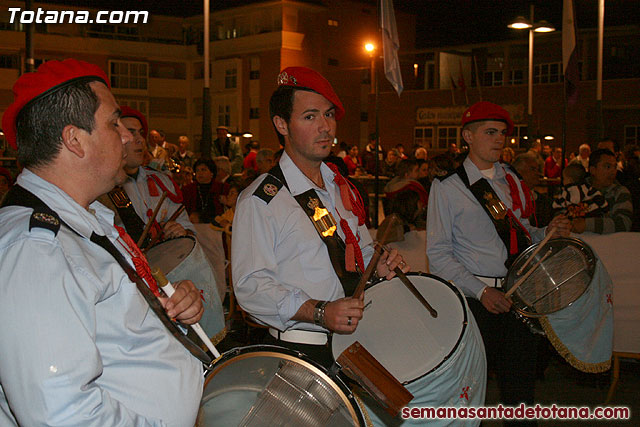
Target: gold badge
x=270, y=190
x=283, y=79
x=497, y=209
x=313, y=203
x=44, y=217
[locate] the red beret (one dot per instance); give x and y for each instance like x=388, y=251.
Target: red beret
x=51, y=76
x=483, y=111
x=130, y=112
x=303, y=77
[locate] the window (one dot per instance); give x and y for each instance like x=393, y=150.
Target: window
x=447, y=135
x=423, y=136
x=254, y=113
x=493, y=78
x=632, y=134
x=547, y=73
x=231, y=78
x=518, y=138
x=516, y=77
x=224, y=115
x=334, y=62
x=10, y=61
x=128, y=75
x=254, y=75
x=364, y=116
x=332, y=23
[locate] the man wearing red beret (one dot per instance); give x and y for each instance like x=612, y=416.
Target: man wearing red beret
x=283, y=271
x=473, y=249
x=79, y=343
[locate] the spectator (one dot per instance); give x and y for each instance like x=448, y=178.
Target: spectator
x=546, y=151
x=368, y=158
x=342, y=150
x=229, y=201
x=577, y=199
x=602, y=168
x=159, y=156
x=453, y=150
x=223, y=146
x=202, y=198
x=351, y=160
x=526, y=165
x=553, y=164
x=224, y=168
x=406, y=179
x=508, y=155
x=420, y=153
x=630, y=178
x=390, y=163
x=583, y=156
x=265, y=160
x=250, y=158
x=183, y=156
x=400, y=149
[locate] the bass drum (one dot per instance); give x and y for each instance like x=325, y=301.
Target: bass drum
x=267, y=385
x=441, y=360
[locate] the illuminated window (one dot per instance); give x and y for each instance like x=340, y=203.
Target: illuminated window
x=128, y=75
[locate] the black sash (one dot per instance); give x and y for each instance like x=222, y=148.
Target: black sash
x=19, y=196
x=130, y=219
x=335, y=245
x=506, y=227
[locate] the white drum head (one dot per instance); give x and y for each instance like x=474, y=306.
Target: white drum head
x=401, y=334
x=170, y=253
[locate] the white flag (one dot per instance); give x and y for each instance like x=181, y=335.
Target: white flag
x=390, y=45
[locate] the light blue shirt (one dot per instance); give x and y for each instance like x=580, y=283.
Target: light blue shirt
x=278, y=258
x=138, y=191
x=79, y=345
x=461, y=238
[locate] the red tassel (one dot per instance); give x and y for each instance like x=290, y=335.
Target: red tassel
x=345, y=196
x=153, y=190
x=514, y=241
x=350, y=258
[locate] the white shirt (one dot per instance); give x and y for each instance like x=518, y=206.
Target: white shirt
x=278, y=258
x=79, y=344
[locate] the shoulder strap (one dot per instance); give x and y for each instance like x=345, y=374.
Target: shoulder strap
x=130, y=219
x=20, y=196
x=336, y=247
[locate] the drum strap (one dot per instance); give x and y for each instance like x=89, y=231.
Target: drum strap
x=130, y=219
x=309, y=201
x=512, y=233
x=45, y=217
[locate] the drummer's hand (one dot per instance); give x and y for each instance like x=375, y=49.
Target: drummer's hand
x=173, y=229
x=494, y=301
x=388, y=262
x=185, y=304
x=562, y=225
x=578, y=225
x=337, y=314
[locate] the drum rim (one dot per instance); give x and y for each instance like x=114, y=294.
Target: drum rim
x=268, y=350
x=192, y=238
x=579, y=244
x=465, y=320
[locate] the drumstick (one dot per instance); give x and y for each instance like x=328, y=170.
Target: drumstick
x=375, y=258
x=152, y=219
x=168, y=289
x=404, y=279
x=523, y=278
x=535, y=252
x=173, y=217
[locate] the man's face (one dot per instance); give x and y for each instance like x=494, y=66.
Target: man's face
x=154, y=138
x=265, y=165
x=105, y=151
x=604, y=173
x=391, y=156
x=134, y=149
x=546, y=151
x=184, y=143
x=557, y=154
x=530, y=172
x=423, y=172
x=585, y=152
x=222, y=134
x=203, y=174
x=486, y=140
x=311, y=129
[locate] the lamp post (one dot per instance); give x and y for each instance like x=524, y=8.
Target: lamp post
x=371, y=49
x=541, y=27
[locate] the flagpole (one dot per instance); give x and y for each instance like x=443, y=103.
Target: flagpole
x=600, y=119
x=478, y=81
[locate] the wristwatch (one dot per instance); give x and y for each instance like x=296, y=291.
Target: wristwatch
x=318, y=313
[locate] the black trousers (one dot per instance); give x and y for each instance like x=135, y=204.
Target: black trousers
x=511, y=351
x=318, y=353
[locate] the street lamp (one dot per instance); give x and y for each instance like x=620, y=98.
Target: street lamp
x=371, y=49
x=541, y=27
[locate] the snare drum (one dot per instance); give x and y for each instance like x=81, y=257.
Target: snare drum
x=267, y=385
x=183, y=259
x=440, y=360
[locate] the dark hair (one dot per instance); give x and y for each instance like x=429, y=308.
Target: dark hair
x=405, y=205
x=281, y=105
x=40, y=123
x=594, y=157
x=404, y=166
x=210, y=164
x=576, y=172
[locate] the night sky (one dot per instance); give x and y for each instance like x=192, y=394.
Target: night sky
x=440, y=22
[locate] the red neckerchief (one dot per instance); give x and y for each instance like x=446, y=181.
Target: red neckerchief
x=139, y=260
x=528, y=209
x=352, y=202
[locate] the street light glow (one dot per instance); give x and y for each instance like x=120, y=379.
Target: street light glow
x=369, y=47
x=520, y=23
x=544, y=27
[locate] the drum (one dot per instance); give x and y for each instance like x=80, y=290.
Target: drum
x=440, y=360
x=270, y=386
x=570, y=294
x=183, y=259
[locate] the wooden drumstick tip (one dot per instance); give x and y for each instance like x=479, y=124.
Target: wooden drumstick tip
x=157, y=274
